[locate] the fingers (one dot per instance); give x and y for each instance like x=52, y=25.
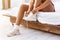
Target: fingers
x=26, y=13
x=33, y=11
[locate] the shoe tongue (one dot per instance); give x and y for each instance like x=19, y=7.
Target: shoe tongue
x=30, y=14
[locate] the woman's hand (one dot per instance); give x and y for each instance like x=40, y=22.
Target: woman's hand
x=34, y=11
x=27, y=13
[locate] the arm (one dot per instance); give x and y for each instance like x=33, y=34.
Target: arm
x=45, y=4
x=30, y=7
x=31, y=4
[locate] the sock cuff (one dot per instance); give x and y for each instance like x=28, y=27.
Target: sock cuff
x=16, y=25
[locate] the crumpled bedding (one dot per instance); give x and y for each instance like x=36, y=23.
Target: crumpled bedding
x=49, y=18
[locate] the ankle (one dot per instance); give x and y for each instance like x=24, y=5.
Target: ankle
x=16, y=26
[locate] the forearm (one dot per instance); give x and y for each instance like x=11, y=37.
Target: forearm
x=45, y=4
x=31, y=5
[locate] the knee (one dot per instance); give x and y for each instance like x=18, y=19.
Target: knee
x=23, y=6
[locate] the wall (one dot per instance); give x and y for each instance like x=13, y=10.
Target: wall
x=15, y=3
x=0, y=4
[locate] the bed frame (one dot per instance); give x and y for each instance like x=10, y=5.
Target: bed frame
x=44, y=27
x=37, y=25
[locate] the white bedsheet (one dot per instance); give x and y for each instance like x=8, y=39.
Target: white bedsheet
x=49, y=17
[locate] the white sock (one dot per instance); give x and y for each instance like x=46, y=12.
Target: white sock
x=14, y=31
x=16, y=27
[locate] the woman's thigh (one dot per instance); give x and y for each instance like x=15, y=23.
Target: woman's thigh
x=49, y=8
x=24, y=7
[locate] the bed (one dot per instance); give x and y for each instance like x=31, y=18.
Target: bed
x=38, y=25
x=48, y=26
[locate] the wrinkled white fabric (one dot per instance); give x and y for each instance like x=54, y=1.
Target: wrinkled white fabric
x=49, y=17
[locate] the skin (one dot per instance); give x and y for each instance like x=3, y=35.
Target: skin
x=46, y=6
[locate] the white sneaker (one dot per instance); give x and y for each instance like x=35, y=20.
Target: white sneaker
x=14, y=32
x=30, y=17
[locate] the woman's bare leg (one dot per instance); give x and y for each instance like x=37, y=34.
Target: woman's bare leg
x=21, y=13
x=49, y=8
x=15, y=30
